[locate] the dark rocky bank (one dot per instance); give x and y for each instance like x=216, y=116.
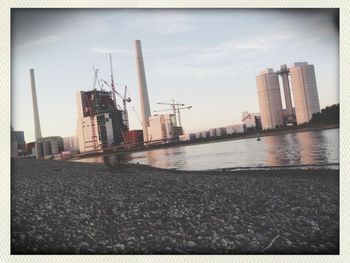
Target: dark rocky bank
x=79, y=208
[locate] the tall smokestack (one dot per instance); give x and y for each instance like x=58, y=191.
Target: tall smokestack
x=38, y=137
x=145, y=107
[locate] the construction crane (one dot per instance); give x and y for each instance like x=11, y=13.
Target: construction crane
x=91, y=105
x=112, y=81
x=175, y=108
x=124, y=98
x=173, y=105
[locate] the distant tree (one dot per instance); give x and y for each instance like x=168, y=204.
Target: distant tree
x=328, y=115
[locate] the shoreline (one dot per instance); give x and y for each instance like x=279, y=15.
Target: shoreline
x=60, y=207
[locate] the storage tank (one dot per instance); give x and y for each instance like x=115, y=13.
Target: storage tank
x=55, y=147
x=47, y=148
x=270, y=102
x=305, y=93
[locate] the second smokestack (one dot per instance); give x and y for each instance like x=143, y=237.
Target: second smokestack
x=145, y=107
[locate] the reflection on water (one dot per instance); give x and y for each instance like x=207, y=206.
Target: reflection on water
x=302, y=148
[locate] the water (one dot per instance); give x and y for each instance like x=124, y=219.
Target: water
x=315, y=148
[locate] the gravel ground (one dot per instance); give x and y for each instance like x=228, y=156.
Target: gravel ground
x=79, y=208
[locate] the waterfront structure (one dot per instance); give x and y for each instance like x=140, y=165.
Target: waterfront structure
x=269, y=99
x=198, y=135
x=187, y=137
x=145, y=106
x=38, y=136
x=212, y=132
x=99, y=123
x=252, y=121
x=235, y=128
x=161, y=127
x=305, y=93
x=205, y=134
x=221, y=131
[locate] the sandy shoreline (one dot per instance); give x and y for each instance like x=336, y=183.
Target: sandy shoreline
x=69, y=207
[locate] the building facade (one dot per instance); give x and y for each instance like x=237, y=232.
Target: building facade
x=161, y=127
x=99, y=123
x=71, y=144
x=270, y=102
x=236, y=128
x=305, y=93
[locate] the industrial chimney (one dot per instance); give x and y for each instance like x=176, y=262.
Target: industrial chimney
x=145, y=107
x=38, y=137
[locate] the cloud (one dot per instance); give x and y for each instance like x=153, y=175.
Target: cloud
x=112, y=50
x=169, y=22
x=45, y=40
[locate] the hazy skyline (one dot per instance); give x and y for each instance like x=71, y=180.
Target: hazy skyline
x=206, y=58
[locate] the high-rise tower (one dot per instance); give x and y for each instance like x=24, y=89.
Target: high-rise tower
x=304, y=91
x=145, y=107
x=269, y=99
x=38, y=136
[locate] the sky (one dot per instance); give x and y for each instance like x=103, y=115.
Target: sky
x=204, y=58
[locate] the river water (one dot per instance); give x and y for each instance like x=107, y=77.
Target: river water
x=301, y=149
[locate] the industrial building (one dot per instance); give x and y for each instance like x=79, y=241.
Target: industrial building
x=161, y=127
x=269, y=99
x=252, y=121
x=18, y=144
x=99, y=124
x=51, y=146
x=305, y=93
x=134, y=137
x=71, y=144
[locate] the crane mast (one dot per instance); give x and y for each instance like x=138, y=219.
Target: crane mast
x=175, y=108
x=112, y=81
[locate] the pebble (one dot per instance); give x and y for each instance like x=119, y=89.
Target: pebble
x=22, y=237
x=83, y=245
x=241, y=238
x=120, y=246
x=87, y=208
x=191, y=243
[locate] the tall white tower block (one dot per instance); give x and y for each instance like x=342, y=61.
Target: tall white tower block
x=305, y=93
x=270, y=102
